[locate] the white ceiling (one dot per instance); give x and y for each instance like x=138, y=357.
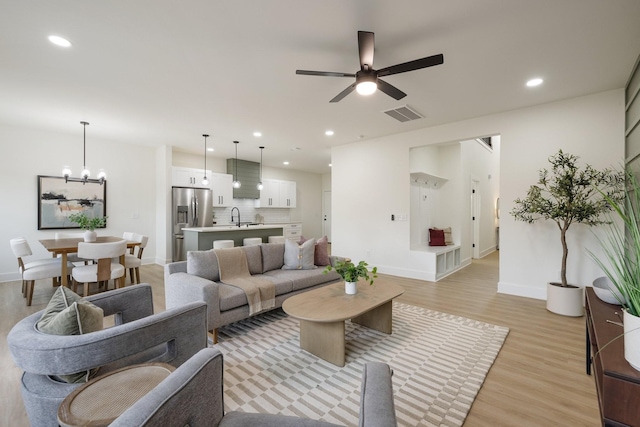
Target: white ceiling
x=158, y=72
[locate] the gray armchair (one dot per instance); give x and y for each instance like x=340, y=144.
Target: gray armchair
x=193, y=395
x=138, y=336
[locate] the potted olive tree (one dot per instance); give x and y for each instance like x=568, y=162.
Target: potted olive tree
x=568, y=194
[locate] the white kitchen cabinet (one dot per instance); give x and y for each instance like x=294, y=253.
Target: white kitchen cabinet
x=189, y=177
x=222, y=186
x=292, y=231
x=270, y=193
x=287, y=194
x=278, y=194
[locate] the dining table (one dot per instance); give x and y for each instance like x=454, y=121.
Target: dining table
x=66, y=246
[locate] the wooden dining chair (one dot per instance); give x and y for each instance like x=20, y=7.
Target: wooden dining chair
x=104, y=269
x=48, y=268
x=133, y=260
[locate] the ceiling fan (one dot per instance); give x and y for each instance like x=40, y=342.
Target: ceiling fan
x=368, y=79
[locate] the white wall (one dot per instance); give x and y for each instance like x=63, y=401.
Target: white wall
x=370, y=182
x=26, y=153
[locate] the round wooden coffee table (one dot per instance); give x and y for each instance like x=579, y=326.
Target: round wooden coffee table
x=103, y=399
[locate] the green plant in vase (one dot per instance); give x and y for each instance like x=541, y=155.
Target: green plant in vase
x=621, y=263
x=351, y=272
x=87, y=223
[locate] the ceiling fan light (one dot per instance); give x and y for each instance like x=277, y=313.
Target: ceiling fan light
x=366, y=88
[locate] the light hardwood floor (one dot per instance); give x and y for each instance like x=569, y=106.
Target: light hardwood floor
x=538, y=378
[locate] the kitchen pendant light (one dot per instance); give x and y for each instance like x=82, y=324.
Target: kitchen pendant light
x=85, y=174
x=260, y=186
x=236, y=183
x=205, y=180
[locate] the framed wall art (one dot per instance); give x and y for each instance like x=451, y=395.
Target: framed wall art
x=58, y=199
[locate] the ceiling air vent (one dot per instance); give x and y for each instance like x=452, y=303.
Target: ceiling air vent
x=404, y=114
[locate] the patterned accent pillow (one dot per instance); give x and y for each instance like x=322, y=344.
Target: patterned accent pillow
x=321, y=252
x=299, y=257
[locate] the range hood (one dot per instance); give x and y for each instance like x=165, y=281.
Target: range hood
x=248, y=173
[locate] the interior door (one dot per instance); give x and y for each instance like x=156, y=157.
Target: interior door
x=475, y=218
x=326, y=214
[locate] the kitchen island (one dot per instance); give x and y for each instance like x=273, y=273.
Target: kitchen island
x=201, y=238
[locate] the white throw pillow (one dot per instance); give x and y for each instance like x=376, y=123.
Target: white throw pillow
x=299, y=257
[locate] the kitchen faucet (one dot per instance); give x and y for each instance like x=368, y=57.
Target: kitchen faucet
x=238, y=215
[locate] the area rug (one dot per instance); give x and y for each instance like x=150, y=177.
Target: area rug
x=439, y=363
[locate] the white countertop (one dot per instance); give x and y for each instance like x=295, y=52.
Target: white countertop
x=217, y=228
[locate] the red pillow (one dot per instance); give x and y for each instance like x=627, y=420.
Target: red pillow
x=436, y=237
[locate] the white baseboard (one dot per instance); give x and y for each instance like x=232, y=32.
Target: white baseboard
x=408, y=273
x=9, y=277
x=523, y=291
x=487, y=252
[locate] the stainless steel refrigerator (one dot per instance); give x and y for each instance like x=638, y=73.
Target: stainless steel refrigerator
x=191, y=207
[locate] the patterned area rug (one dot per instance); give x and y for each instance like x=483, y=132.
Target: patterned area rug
x=439, y=363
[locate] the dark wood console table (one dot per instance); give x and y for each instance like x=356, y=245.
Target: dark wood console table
x=617, y=383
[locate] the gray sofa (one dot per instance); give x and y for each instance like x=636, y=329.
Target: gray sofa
x=197, y=279
x=193, y=395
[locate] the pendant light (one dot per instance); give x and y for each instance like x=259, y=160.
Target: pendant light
x=85, y=174
x=260, y=186
x=236, y=183
x=205, y=180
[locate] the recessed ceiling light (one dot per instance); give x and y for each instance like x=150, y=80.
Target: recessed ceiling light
x=330, y=164
x=285, y=163
x=60, y=41
x=534, y=82
x=209, y=149
x=257, y=134
x=329, y=133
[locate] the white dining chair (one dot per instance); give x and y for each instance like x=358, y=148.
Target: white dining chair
x=133, y=260
x=104, y=269
x=48, y=268
x=72, y=257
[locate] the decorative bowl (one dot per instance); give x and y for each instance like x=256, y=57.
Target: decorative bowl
x=606, y=290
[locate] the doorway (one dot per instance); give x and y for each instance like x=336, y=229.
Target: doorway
x=326, y=214
x=475, y=218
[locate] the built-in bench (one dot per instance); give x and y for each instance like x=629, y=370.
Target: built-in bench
x=440, y=260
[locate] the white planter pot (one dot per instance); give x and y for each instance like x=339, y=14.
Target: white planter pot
x=350, y=288
x=90, y=236
x=632, y=339
x=566, y=301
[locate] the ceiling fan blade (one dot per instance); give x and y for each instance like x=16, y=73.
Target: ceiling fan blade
x=417, y=64
x=324, y=73
x=344, y=93
x=390, y=90
x=366, y=47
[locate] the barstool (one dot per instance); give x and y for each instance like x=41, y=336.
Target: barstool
x=221, y=244
x=276, y=239
x=251, y=241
